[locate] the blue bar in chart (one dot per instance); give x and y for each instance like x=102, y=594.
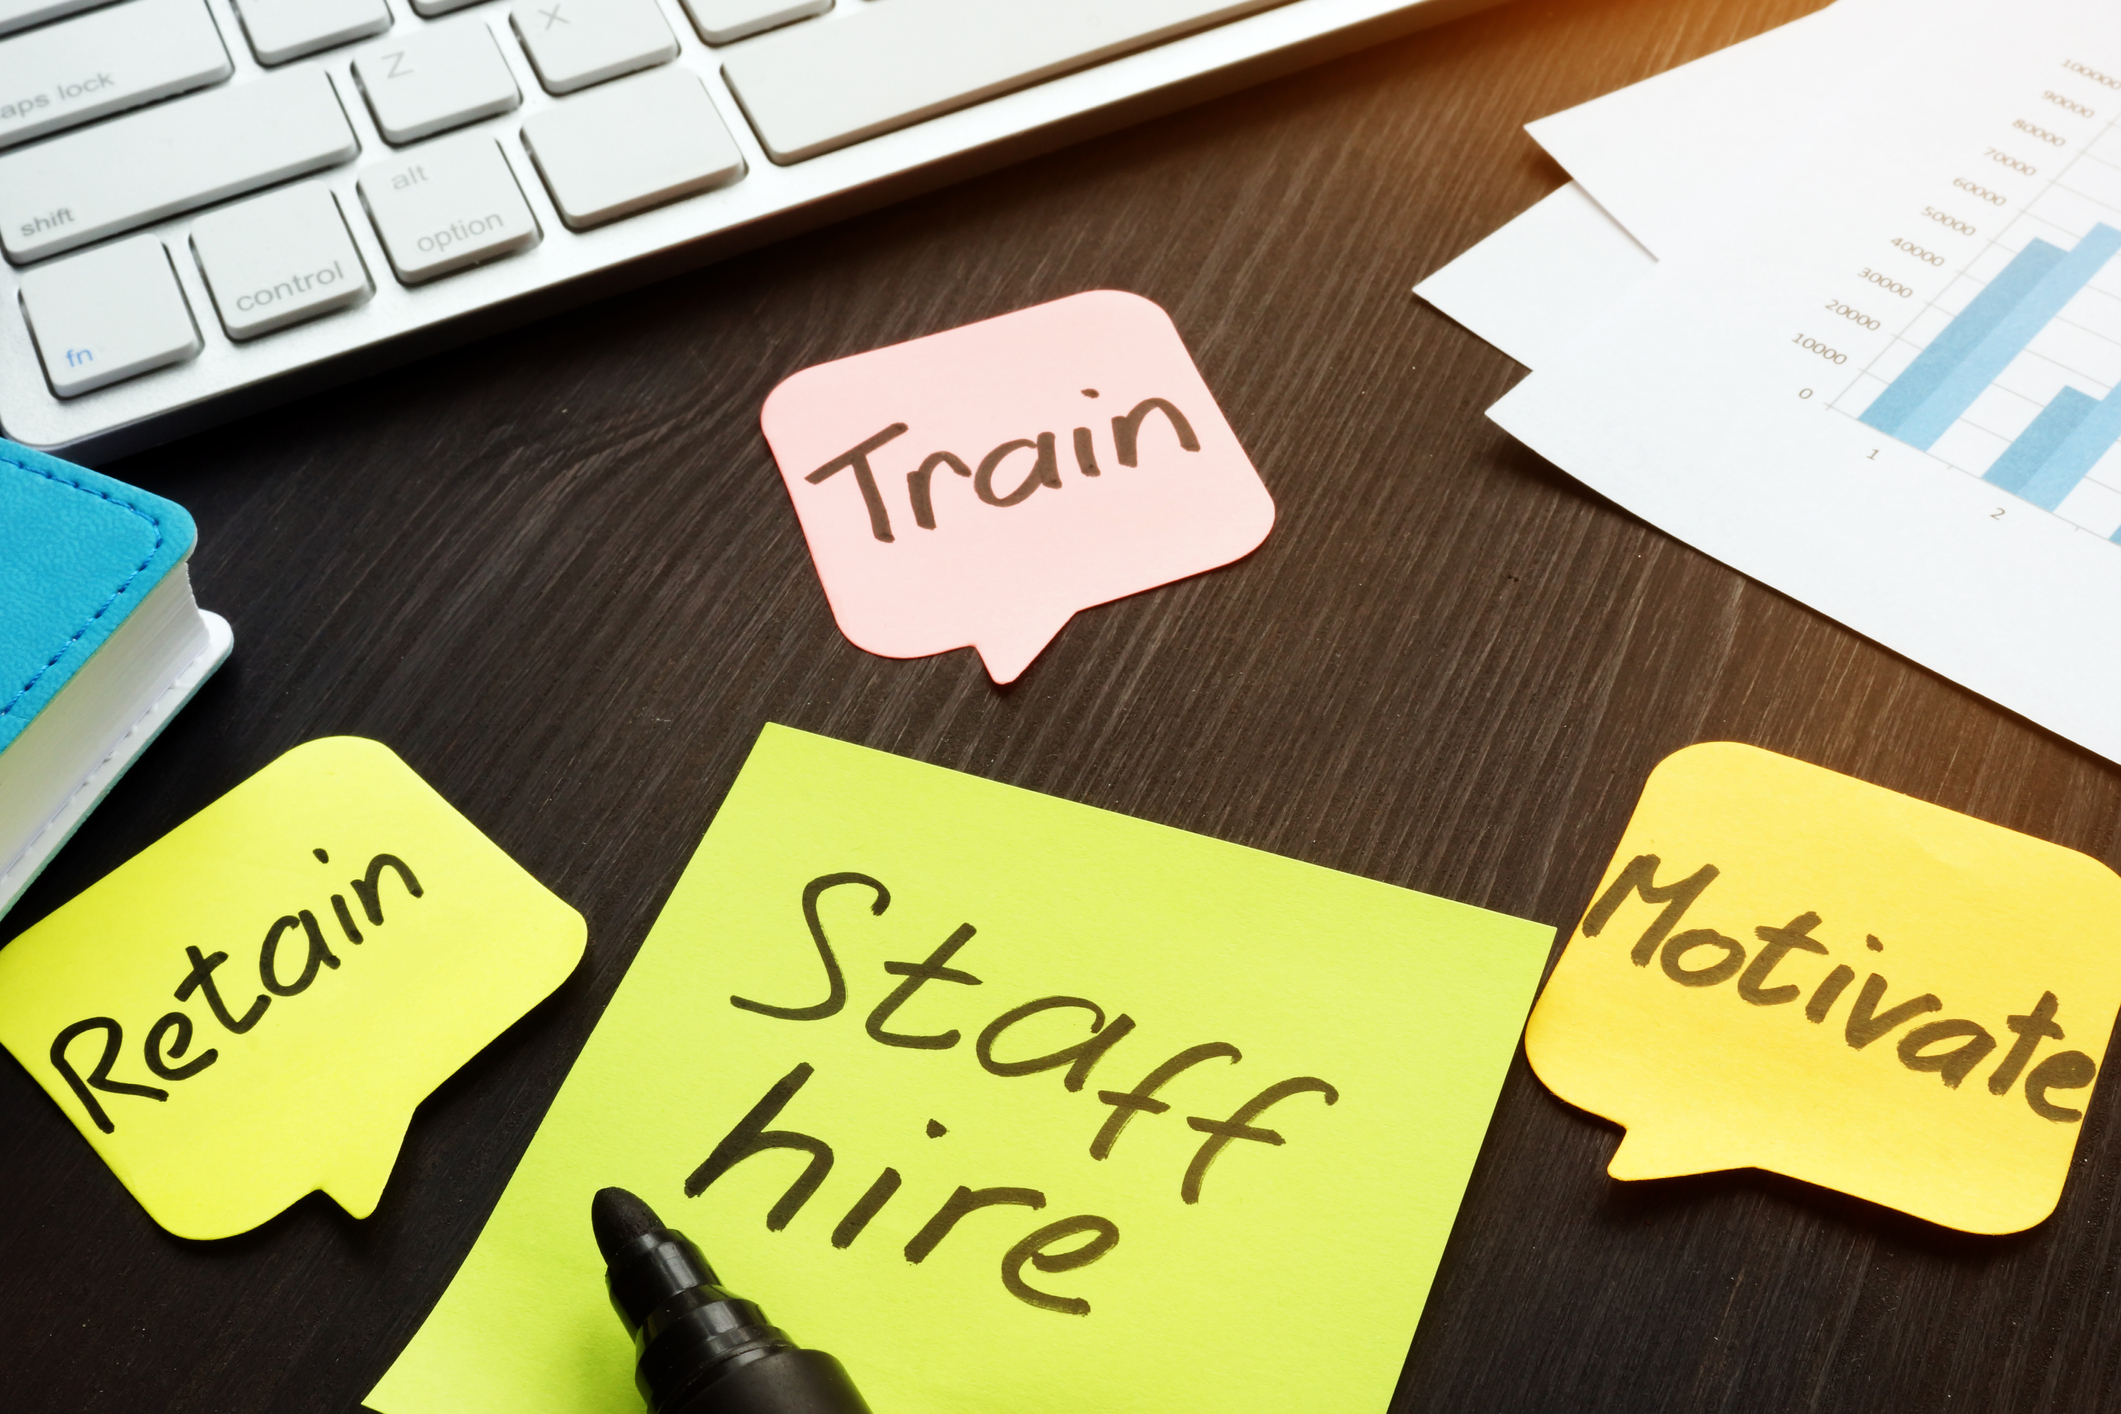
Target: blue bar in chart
x=1941, y=384
x=2023, y=460
x=1949, y=349
x=2094, y=429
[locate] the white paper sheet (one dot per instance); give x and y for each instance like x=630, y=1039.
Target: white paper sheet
x=1659, y=154
x=1723, y=399
x=1665, y=148
x=1537, y=283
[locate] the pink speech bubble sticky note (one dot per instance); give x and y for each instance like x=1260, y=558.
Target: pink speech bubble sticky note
x=981, y=485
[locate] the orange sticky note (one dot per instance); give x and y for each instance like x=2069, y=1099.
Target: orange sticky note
x=980, y=486
x=1789, y=969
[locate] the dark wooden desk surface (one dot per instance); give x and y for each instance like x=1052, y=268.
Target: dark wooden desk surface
x=557, y=572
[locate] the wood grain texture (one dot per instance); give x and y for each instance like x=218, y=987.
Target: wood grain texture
x=558, y=573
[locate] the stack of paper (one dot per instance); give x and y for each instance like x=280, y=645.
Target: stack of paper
x=1841, y=306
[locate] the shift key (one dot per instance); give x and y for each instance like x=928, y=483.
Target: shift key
x=453, y=205
x=82, y=186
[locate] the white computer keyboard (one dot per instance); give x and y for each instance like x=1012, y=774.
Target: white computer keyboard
x=206, y=205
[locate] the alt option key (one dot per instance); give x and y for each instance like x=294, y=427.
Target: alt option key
x=452, y=205
x=278, y=260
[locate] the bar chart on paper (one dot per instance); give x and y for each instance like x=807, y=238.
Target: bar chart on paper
x=2012, y=372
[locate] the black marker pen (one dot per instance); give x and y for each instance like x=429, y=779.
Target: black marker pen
x=702, y=1350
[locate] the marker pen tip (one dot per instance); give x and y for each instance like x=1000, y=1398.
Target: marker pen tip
x=617, y=1217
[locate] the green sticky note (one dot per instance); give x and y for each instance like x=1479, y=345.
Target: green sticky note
x=981, y=990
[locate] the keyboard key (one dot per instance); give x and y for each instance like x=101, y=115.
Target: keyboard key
x=722, y=21
x=278, y=259
x=814, y=88
x=21, y=14
x=575, y=43
x=438, y=78
x=109, y=315
x=630, y=146
x=281, y=30
x=67, y=191
x=65, y=74
x=447, y=207
x=431, y=8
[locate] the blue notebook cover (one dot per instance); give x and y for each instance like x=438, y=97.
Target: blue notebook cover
x=78, y=552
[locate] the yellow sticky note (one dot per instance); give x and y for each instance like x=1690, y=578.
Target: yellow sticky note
x=1789, y=969
x=251, y=1007
x=1014, y=1105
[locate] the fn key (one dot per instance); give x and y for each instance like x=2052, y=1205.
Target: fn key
x=109, y=315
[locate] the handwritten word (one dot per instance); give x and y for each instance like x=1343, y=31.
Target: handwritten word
x=170, y=1038
x=1044, y=470
x=1703, y=957
x=1077, y=1061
